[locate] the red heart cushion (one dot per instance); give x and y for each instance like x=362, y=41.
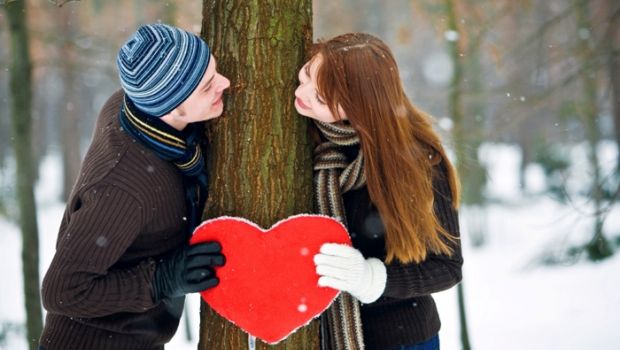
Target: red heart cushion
x=269, y=286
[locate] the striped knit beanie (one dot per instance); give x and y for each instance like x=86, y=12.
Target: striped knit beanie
x=160, y=66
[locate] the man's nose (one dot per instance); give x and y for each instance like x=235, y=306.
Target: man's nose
x=224, y=83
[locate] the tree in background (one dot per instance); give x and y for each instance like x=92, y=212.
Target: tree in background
x=260, y=156
x=565, y=107
x=21, y=96
x=613, y=52
x=576, y=73
x=5, y=144
x=70, y=114
x=588, y=110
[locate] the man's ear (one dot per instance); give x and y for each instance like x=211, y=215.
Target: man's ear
x=176, y=113
x=174, y=116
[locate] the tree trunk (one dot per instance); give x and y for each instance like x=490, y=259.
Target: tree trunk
x=463, y=317
x=69, y=120
x=21, y=96
x=5, y=147
x=5, y=134
x=598, y=248
x=458, y=134
x=614, y=68
x=613, y=41
x=260, y=157
x=455, y=100
x=614, y=76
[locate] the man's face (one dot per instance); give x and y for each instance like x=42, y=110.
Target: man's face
x=205, y=102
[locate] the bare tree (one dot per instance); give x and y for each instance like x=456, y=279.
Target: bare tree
x=69, y=118
x=599, y=247
x=613, y=40
x=5, y=145
x=260, y=156
x=21, y=98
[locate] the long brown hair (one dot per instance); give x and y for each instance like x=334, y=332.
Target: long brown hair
x=358, y=72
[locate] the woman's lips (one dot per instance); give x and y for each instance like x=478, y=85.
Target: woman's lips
x=301, y=104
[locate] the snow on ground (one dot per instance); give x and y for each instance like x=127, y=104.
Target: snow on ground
x=512, y=301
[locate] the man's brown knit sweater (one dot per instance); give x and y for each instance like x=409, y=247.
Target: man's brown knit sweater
x=126, y=209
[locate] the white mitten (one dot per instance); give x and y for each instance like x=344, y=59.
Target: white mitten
x=344, y=268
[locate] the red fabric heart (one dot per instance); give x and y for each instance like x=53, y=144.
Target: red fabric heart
x=269, y=286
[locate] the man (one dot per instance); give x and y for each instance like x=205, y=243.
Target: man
x=122, y=265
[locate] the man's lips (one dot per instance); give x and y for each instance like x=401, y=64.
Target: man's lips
x=301, y=104
x=218, y=100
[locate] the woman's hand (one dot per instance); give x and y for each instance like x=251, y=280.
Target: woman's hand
x=344, y=268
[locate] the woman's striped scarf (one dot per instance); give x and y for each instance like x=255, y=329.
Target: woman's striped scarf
x=183, y=148
x=341, y=325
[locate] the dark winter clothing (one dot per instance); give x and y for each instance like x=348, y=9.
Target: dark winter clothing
x=183, y=148
x=406, y=313
x=432, y=344
x=334, y=174
x=188, y=270
x=127, y=209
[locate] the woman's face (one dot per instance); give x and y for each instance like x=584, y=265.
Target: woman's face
x=308, y=102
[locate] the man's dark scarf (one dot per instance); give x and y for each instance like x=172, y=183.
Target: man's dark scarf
x=183, y=148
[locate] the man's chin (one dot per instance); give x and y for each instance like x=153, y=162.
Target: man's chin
x=216, y=116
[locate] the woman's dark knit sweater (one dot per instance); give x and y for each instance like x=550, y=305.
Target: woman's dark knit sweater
x=406, y=313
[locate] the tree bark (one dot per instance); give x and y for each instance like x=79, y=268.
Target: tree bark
x=21, y=97
x=260, y=156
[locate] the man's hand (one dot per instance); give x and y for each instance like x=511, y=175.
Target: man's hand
x=187, y=270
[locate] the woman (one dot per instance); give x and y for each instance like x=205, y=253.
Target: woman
x=380, y=169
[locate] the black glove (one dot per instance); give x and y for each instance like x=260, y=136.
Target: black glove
x=187, y=270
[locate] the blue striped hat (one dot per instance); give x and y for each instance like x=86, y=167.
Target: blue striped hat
x=160, y=66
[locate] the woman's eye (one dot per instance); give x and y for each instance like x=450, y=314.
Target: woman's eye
x=318, y=98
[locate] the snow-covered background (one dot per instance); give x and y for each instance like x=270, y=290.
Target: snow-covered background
x=513, y=301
